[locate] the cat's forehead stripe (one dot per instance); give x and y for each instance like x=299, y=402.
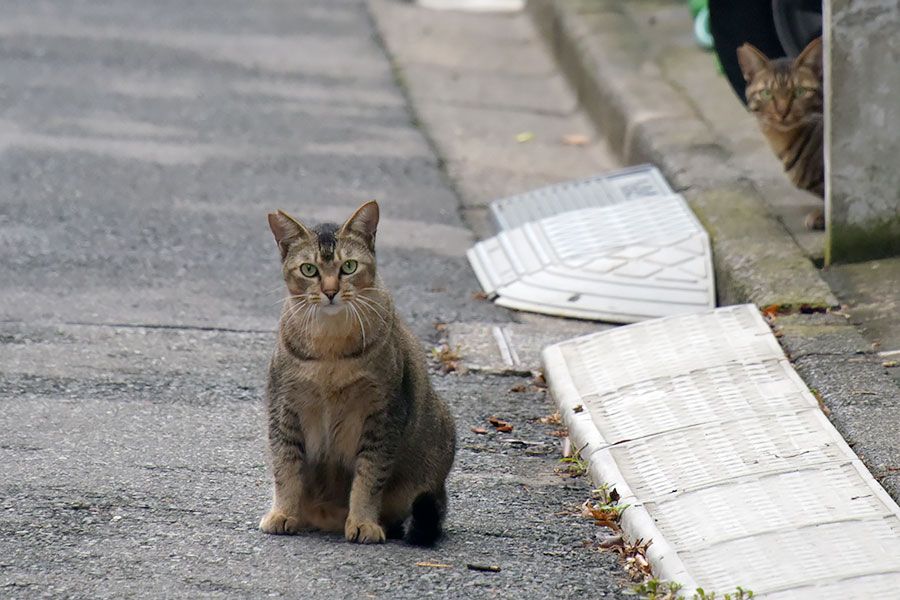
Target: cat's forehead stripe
x=327, y=240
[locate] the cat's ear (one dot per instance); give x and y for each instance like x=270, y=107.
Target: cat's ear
x=811, y=57
x=752, y=61
x=364, y=221
x=286, y=229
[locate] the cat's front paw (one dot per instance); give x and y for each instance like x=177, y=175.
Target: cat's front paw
x=280, y=523
x=815, y=220
x=363, y=532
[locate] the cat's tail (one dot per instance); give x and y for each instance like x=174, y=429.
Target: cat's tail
x=428, y=512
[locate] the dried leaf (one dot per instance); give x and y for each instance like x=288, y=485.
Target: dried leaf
x=485, y=568
x=770, y=311
x=448, y=357
x=567, y=450
x=524, y=136
x=578, y=409
x=575, y=139
x=613, y=540
x=564, y=432
x=479, y=430
x=519, y=388
x=479, y=296
x=500, y=425
x=550, y=419
x=434, y=565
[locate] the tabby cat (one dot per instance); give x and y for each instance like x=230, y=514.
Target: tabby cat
x=359, y=440
x=786, y=97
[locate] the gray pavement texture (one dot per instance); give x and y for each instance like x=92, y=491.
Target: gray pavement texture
x=659, y=98
x=142, y=145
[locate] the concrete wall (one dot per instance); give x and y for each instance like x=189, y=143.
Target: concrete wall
x=862, y=128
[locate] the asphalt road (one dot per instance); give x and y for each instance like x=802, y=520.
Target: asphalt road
x=141, y=145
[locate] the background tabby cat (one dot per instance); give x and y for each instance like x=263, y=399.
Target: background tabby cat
x=785, y=95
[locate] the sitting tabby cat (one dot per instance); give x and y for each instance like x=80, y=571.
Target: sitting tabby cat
x=786, y=97
x=358, y=438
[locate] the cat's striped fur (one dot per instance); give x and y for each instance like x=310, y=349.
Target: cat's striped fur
x=786, y=97
x=359, y=440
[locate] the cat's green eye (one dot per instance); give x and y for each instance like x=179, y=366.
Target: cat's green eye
x=308, y=269
x=801, y=91
x=766, y=94
x=349, y=267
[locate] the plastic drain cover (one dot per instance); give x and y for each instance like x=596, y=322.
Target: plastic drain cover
x=633, y=183
x=634, y=254
x=727, y=462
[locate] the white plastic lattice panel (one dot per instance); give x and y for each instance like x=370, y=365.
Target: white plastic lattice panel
x=633, y=183
x=705, y=429
x=627, y=261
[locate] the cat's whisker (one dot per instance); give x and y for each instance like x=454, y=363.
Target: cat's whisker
x=300, y=307
x=295, y=297
x=364, y=313
x=362, y=327
x=372, y=307
x=309, y=319
x=303, y=307
x=373, y=301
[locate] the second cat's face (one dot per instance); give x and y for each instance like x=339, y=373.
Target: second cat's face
x=783, y=93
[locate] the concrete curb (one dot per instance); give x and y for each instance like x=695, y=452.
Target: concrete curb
x=609, y=60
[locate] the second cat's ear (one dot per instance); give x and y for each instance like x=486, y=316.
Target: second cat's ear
x=286, y=229
x=811, y=57
x=364, y=221
x=752, y=61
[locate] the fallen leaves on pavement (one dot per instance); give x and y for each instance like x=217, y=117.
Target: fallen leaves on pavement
x=575, y=139
x=484, y=568
x=434, y=565
x=550, y=419
x=499, y=425
x=448, y=357
x=525, y=136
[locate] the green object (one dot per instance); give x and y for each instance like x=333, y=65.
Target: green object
x=697, y=5
x=701, y=29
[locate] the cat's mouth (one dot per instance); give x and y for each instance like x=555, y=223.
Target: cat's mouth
x=331, y=309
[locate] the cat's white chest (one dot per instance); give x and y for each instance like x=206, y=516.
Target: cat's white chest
x=332, y=433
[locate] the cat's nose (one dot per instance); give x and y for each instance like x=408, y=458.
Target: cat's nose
x=331, y=294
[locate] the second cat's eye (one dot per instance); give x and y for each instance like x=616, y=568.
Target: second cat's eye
x=801, y=91
x=766, y=94
x=349, y=267
x=308, y=269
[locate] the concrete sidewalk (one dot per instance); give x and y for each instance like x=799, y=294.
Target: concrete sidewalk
x=702, y=484
x=659, y=98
